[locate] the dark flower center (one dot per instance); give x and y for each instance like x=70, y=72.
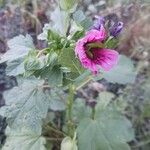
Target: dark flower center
x=91, y=46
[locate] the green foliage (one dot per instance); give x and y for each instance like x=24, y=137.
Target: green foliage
x=80, y=110
x=104, y=99
x=15, y=67
x=23, y=140
x=111, y=43
x=60, y=21
x=108, y=131
x=58, y=99
x=25, y=111
x=87, y=23
x=28, y=107
x=19, y=47
x=32, y=63
x=80, y=19
x=55, y=76
x=79, y=16
x=44, y=75
x=76, y=31
x=68, y=5
x=69, y=60
x=58, y=25
x=122, y=73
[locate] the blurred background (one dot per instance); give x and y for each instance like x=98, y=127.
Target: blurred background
x=26, y=16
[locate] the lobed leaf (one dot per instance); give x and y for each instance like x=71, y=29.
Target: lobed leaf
x=80, y=110
x=19, y=47
x=108, y=131
x=26, y=105
x=23, y=141
x=15, y=67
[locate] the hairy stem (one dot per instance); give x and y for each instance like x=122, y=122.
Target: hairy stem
x=70, y=124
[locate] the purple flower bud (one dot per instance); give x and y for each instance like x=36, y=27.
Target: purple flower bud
x=98, y=22
x=116, y=29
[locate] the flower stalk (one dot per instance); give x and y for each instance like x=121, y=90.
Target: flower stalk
x=70, y=124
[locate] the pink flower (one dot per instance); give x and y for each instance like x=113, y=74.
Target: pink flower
x=96, y=57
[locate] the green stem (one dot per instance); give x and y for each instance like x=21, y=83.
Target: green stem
x=49, y=128
x=69, y=24
x=110, y=38
x=84, y=82
x=93, y=113
x=40, y=52
x=70, y=124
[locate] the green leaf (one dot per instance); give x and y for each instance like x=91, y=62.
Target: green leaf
x=79, y=16
x=86, y=23
x=60, y=21
x=58, y=25
x=120, y=104
x=39, y=66
x=68, y=5
x=69, y=60
x=19, y=47
x=81, y=19
x=54, y=40
x=83, y=77
x=80, y=110
x=50, y=61
x=58, y=99
x=26, y=105
x=123, y=73
x=52, y=35
x=104, y=99
x=76, y=31
x=52, y=71
x=52, y=58
x=108, y=131
x=77, y=35
x=15, y=67
x=31, y=63
x=53, y=74
x=23, y=141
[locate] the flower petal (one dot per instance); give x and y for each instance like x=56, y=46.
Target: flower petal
x=106, y=58
x=100, y=21
x=96, y=35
